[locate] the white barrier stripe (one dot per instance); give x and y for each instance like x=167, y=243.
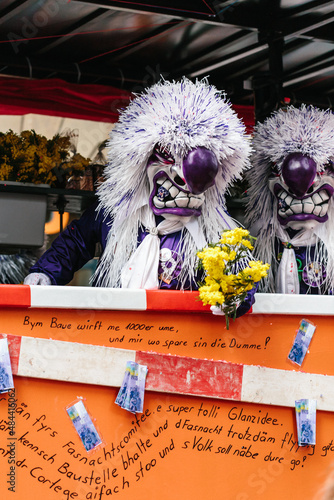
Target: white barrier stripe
x=275, y=303
x=282, y=387
x=68, y=297
x=71, y=362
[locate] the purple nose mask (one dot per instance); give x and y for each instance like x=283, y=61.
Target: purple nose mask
x=298, y=172
x=302, y=195
x=178, y=187
x=200, y=168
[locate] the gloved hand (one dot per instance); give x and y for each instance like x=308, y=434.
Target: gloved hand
x=221, y=311
x=217, y=311
x=37, y=279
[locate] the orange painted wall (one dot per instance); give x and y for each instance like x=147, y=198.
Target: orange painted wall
x=230, y=454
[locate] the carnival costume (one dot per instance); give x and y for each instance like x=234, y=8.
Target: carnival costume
x=172, y=155
x=290, y=199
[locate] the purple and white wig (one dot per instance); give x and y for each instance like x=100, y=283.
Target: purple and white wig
x=291, y=183
x=176, y=117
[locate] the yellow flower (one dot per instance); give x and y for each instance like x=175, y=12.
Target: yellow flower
x=246, y=243
x=233, y=236
x=256, y=270
x=211, y=297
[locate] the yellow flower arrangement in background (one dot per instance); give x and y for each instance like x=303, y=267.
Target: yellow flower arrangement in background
x=30, y=157
x=227, y=278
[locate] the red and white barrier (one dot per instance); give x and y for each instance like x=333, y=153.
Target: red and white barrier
x=98, y=365
x=67, y=297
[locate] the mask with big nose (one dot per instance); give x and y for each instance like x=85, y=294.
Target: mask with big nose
x=178, y=185
x=302, y=194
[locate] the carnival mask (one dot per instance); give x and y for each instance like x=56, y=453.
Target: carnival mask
x=302, y=191
x=177, y=186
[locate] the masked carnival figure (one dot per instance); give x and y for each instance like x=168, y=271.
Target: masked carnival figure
x=290, y=199
x=172, y=155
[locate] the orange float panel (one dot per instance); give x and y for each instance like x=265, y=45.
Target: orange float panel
x=182, y=446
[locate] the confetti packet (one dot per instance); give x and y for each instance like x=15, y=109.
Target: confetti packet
x=128, y=384
x=302, y=341
x=135, y=396
x=6, y=376
x=84, y=425
x=306, y=421
x=131, y=393
x=142, y=372
x=121, y=396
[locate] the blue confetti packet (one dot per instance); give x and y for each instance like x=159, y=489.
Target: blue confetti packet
x=306, y=421
x=6, y=376
x=302, y=341
x=131, y=394
x=84, y=425
x=134, y=401
x=122, y=393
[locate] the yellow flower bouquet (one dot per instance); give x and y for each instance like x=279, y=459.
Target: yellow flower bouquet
x=229, y=274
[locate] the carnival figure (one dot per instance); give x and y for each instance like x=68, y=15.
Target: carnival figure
x=172, y=155
x=290, y=199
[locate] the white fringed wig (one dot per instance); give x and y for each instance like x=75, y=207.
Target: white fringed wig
x=177, y=117
x=291, y=186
